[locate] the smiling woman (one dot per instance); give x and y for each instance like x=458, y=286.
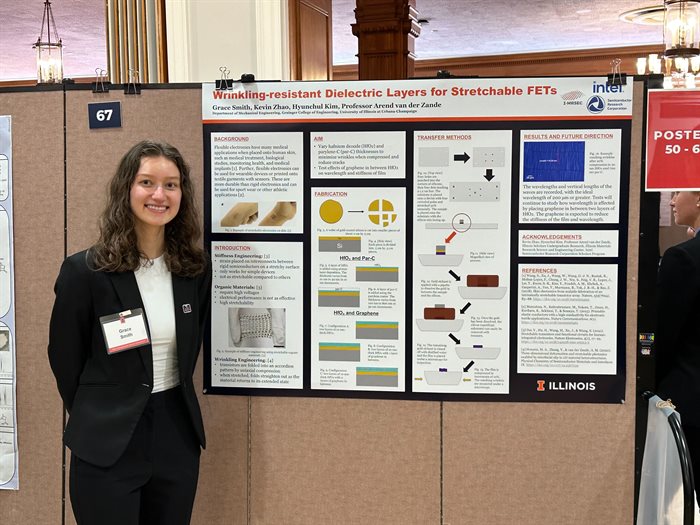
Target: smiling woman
x=155, y=200
x=125, y=332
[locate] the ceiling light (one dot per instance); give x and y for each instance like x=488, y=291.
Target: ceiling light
x=682, y=28
x=648, y=16
x=49, y=50
x=680, y=62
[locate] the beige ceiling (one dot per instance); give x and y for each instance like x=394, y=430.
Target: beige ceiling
x=454, y=28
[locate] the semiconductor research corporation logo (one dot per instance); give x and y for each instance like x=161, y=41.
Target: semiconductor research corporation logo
x=595, y=104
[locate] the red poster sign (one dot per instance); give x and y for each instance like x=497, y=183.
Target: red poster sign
x=673, y=140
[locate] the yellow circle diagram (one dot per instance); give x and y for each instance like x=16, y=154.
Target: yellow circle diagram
x=331, y=211
x=381, y=212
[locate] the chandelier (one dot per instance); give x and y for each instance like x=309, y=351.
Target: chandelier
x=680, y=61
x=49, y=50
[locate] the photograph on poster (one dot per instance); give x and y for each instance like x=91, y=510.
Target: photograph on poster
x=256, y=327
x=4, y=340
x=249, y=212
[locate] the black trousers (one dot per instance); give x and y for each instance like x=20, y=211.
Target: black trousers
x=155, y=480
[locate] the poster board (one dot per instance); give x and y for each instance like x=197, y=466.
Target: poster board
x=285, y=459
x=448, y=238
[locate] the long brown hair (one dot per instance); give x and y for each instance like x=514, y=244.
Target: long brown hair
x=117, y=249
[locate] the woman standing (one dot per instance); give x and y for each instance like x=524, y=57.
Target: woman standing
x=678, y=330
x=124, y=337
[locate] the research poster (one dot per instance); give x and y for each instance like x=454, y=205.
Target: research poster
x=459, y=239
x=9, y=456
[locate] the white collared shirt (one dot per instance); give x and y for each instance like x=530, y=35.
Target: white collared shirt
x=156, y=288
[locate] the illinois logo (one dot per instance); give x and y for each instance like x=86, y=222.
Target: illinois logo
x=595, y=104
x=540, y=385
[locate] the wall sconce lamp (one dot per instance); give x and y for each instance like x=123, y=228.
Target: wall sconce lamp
x=49, y=50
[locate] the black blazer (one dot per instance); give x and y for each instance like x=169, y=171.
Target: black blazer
x=678, y=330
x=105, y=395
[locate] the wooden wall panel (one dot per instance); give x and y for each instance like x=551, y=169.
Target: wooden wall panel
x=581, y=62
x=37, y=148
x=349, y=461
x=310, y=40
x=172, y=115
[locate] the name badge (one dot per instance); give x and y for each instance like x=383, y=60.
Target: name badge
x=124, y=330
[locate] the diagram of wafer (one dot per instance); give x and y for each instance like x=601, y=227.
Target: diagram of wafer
x=482, y=287
x=477, y=352
x=335, y=351
x=377, y=274
x=380, y=212
x=374, y=376
x=440, y=257
x=339, y=298
x=442, y=376
x=438, y=318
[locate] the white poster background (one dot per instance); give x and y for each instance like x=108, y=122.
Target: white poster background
x=461, y=227
x=374, y=219
x=259, y=170
x=352, y=154
x=430, y=99
x=595, y=198
x=256, y=318
x=567, y=318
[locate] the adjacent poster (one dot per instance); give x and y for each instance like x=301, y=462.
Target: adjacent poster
x=434, y=239
x=9, y=456
x=673, y=140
